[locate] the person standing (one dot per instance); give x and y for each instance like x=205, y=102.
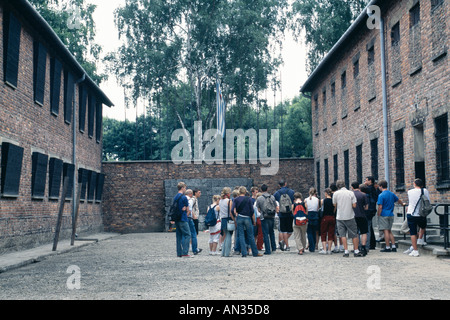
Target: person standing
x=267, y=205
x=415, y=220
x=313, y=205
x=214, y=231
x=345, y=201
x=194, y=242
x=300, y=210
x=328, y=224
x=225, y=216
x=285, y=198
x=195, y=210
x=373, y=194
x=259, y=238
x=360, y=216
x=183, y=233
x=243, y=209
x=386, y=203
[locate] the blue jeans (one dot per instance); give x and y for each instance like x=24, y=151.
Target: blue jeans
x=313, y=227
x=269, y=234
x=193, y=235
x=183, y=234
x=246, y=223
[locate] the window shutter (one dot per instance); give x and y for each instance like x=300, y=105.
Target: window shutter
x=68, y=96
x=55, y=173
x=99, y=188
x=39, y=69
x=39, y=175
x=82, y=107
x=91, y=115
x=55, y=85
x=92, y=185
x=12, y=157
x=68, y=171
x=83, y=178
x=98, y=122
x=11, y=42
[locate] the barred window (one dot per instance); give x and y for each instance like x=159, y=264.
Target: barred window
x=414, y=15
x=399, y=159
x=346, y=168
x=39, y=70
x=359, y=174
x=442, y=158
x=318, y=175
x=55, y=85
x=336, y=166
x=11, y=47
x=395, y=34
x=327, y=182
x=374, y=157
x=356, y=69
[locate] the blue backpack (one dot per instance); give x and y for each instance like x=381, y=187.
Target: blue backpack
x=211, y=218
x=174, y=212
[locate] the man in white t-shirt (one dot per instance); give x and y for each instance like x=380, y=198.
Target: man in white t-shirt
x=344, y=201
x=415, y=220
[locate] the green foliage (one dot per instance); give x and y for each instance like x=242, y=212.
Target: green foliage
x=323, y=23
x=79, y=39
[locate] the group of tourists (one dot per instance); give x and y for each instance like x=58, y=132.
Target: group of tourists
x=244, y=222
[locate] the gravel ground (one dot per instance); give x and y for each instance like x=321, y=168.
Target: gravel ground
x=145, y=266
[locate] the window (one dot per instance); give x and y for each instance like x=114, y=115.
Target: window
x=442, y=159
x=92, y=184
x=83, y=180
x=344, y=80
x=39, y=175
x=374, y=157
x=68, y=96
x=324, y=96
x=327, y=182
x=359, y=174
x=318, y=175
x=346, y=168
x=11, y=169
x=356, y=69
x=371, y=55
x=333, y=89
x=11, y=48
x=55, y=85
x=39, y=70
x=336, y=167
x=414, y=15
x=399, y=160
x=395, y=34
x=436, y=3
x=68, y=172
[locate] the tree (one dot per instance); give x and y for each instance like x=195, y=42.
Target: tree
x=174, y=45
x=73, y=22
x=324, y=22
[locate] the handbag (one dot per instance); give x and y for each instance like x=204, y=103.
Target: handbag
x=231, y=226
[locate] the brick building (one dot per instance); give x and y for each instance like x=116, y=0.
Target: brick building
x=380, y=100
x=50, y=130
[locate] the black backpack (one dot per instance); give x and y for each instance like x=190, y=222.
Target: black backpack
x=174, y=212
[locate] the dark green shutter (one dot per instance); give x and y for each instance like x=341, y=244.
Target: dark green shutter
x=11, y=47
x=39, y=70
x=68, y=96
x=55, y=85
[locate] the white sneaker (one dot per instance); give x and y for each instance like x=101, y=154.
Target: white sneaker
x=322, y=252
x=414, y=253
x=409, y=250
x=421, y=242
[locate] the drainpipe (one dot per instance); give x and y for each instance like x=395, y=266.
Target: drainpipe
x=385, y=106
x=74, y=152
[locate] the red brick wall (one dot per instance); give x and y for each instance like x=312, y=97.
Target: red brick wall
x=134, y=199
x=25, y=222
x=418, y=99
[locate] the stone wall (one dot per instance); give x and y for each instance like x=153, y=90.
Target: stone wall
x=134, y=196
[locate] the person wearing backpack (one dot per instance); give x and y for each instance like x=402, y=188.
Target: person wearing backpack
x=285, y=197
x=313, y=205
x=267, y=205
x=415, y=220
x=183, y=232
x=214, y=230
x=300, y=225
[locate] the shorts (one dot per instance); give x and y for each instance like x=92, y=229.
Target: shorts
x=347, y=226
x=363, y=225
x=385, y=223
x=414, y=222
x=214, y=238
x=286, y=224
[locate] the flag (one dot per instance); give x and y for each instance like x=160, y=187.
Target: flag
x=221, y=109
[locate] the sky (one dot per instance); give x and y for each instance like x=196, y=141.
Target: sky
x=292, y=74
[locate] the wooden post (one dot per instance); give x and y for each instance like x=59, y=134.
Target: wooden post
x=60, y=213
x=74, y=222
